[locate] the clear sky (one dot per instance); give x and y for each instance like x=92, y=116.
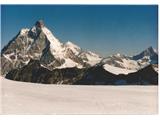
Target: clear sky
x=106, y=29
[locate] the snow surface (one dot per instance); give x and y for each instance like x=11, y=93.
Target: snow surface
x=24, y=31
x=31, y=98
x=55, y=45
x=91, y=57
x=122, y=61
x=76, y=49
x=145, y=61
x=155, y=50
x=130, y=64
x=156, y=69
x=58, y=50
x=69, y=64
x=116, y=70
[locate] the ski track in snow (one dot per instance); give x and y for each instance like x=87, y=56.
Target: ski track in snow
x=30, y=98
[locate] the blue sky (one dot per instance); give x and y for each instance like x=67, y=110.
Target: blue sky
x=106, y=29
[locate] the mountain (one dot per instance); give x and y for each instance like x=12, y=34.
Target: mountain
x=121, y=61
x=147, y=56
x=122, y=64
x=36, y=55
x=90, y=57
x=39, y=43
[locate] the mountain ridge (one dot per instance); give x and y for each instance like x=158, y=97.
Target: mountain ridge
x=39, y=44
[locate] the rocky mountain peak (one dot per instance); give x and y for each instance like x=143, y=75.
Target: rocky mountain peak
x=149, y=51
x=39, y=24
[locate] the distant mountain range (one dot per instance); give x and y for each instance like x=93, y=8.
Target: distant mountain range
x=36, y=55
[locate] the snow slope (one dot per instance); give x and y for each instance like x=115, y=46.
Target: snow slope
x=55, y=45
x=90, y=57
x=76, y=49
x=69, y=64
x=30, y=98
x=121, y=61
x=116, y=70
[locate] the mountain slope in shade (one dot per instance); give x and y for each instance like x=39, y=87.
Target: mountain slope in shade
x=96, y=75
x=36, y=73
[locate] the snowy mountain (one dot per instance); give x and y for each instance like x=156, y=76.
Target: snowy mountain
x=117, y=70
x=121, y=61
x=122, y=64
x=36, y=54
x=39, y=43
x=90, y=57
x=75, y=49
x=147, y=56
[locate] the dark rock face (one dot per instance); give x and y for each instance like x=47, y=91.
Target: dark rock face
x=33, y=72
x=38, y=46
x=21, y=49
x=145, y=76
x=39, y=24
x=96, y=75
x=15, y=49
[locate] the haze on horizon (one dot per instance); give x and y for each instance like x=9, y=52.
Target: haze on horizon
x=105, y=29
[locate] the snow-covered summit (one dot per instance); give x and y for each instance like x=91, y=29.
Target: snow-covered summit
x=24, y=31
x=76, y=49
